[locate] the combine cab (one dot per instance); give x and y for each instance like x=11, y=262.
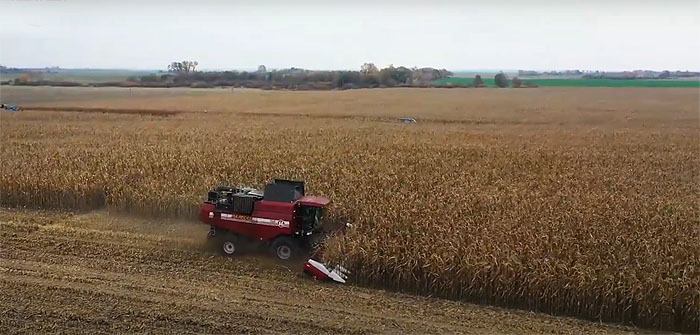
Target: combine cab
x=281, y=216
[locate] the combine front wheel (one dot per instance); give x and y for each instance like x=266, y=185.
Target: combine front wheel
x=285, y=248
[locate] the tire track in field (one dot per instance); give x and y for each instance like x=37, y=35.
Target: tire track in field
x=330, y=116
x=253, y=295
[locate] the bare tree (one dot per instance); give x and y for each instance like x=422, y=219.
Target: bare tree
x=190, y=66
x=183, y=67
x=369, y=68
x=175, y=67
x=262, y=69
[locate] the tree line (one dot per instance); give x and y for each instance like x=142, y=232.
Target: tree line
x=185, y=74
x=368, y=76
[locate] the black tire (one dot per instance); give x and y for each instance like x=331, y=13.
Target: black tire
x=285, y=248
x=228, y=244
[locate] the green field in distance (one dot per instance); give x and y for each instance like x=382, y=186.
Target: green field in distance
x=578, y=82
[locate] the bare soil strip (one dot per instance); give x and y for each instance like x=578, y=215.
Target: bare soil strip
x=154, y=112
x=98, y=273
x=330, y=116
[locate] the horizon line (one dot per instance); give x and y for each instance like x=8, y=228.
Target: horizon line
x=248, y=69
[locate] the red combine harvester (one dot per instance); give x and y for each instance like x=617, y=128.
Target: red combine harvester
x=281, y=216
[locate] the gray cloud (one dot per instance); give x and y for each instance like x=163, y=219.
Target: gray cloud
x=335, y=35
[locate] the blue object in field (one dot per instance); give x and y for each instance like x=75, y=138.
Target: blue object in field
x=407, y=120
x=11, y=108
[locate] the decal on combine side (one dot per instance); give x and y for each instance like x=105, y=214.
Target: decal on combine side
x=231, y=217
x=272, y=222
x=262, y=221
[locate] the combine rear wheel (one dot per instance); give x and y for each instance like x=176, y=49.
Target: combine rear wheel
x=285, y=248
x=228, y=244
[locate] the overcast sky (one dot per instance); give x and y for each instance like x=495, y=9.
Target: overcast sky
x=587, y=35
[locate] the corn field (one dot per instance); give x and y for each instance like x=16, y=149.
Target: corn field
x=567, y=211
